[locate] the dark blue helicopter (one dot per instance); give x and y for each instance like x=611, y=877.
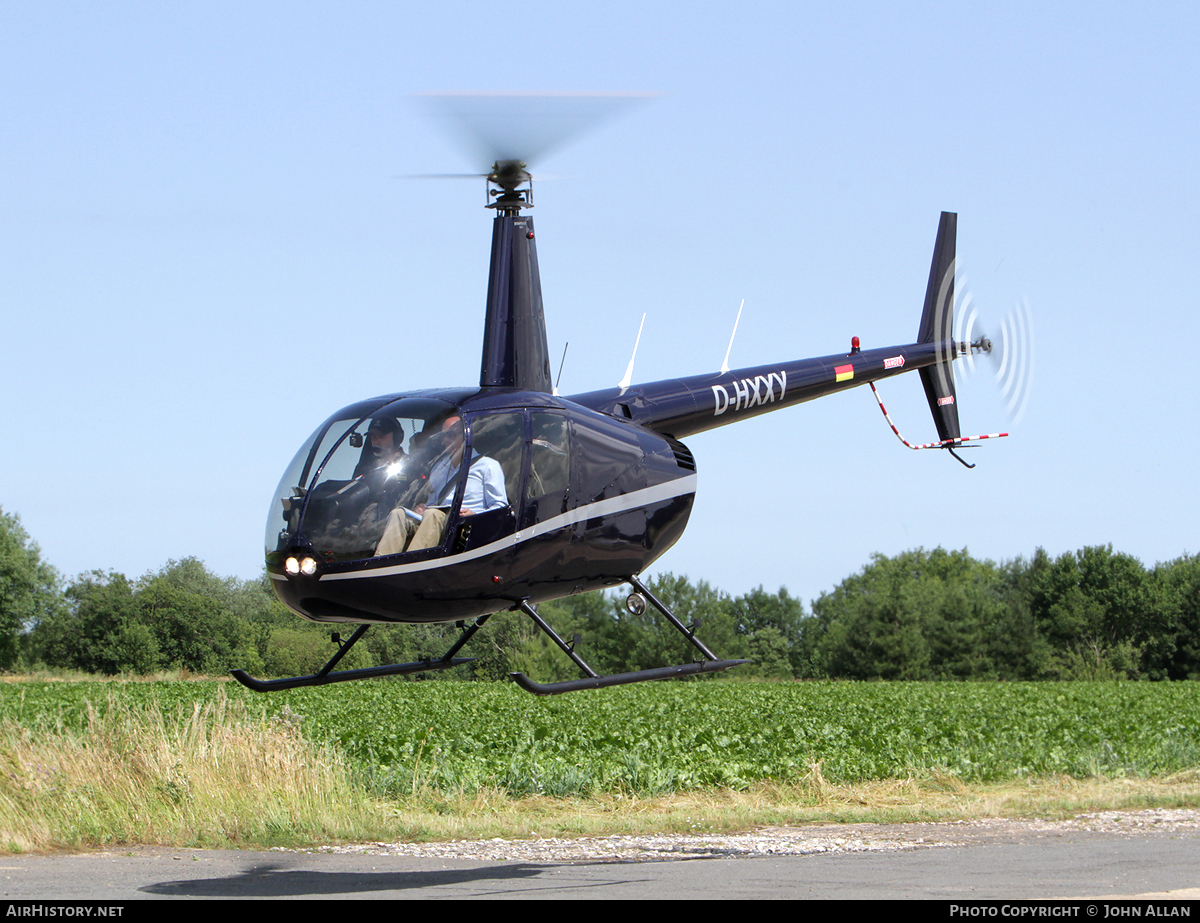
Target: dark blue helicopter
x=451, y=505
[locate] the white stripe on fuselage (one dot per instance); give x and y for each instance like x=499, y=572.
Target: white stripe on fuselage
x=621, y=504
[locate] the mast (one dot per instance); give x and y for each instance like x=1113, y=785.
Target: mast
x=515, y=354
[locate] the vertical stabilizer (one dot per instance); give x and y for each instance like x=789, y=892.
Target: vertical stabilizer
x=937, y=326
x=515, y=354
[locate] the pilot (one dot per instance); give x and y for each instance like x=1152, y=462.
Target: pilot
x=484, y=491
x=386, y=441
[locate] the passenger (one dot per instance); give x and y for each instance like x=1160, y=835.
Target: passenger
x=425, y=525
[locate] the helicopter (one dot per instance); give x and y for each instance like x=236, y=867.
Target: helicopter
x=450, y=505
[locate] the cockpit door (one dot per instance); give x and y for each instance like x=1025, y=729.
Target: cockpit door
x=548, y=482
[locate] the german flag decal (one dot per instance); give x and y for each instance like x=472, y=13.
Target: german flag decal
x=844, y=372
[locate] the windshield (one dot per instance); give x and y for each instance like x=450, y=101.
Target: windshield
x=352, y=472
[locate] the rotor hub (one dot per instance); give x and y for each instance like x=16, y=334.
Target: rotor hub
x=510, y=176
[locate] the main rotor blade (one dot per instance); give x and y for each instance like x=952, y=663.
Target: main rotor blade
x=523, y=126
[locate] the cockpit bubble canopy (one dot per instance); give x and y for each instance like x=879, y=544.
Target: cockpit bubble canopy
x=359, y=465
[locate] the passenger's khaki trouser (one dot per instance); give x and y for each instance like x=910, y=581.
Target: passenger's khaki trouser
x=403, y=533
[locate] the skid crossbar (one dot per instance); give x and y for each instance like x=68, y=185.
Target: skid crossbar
x=323, y=676
x=709, y=663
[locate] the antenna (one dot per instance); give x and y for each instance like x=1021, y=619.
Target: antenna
x=558, y=380
x=725, y=364
x=628, y=379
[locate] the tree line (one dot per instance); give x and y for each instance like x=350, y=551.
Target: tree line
x=1089, y=614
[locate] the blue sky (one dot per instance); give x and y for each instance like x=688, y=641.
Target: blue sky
x=207, y=248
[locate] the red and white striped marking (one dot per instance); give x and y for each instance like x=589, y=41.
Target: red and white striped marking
x=927, y=445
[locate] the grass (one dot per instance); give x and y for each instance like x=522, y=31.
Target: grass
x=209, y=774
x=198, y=766
x=486, y=815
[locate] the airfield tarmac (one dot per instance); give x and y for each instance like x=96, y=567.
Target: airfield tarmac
x=1149, y=855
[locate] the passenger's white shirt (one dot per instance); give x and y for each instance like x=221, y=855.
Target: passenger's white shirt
x=485, y=485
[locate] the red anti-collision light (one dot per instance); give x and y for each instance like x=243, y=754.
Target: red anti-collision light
x=529, y=235
x=854, y=344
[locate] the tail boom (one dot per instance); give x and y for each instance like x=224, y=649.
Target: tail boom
x=682, y=407
x=685, y=406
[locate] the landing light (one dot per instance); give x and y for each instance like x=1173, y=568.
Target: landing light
x=305, y=565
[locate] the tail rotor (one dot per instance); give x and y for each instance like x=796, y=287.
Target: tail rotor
x=1010, y=353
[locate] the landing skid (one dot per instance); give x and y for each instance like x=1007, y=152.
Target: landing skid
x=709, y=663
x=323, y=676
x=624, y=679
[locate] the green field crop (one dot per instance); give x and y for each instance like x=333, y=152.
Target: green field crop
x=455, y=737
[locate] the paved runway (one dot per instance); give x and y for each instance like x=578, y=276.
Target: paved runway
x=1006, y=863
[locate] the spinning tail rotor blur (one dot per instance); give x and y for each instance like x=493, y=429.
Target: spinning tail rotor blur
x=1010, y=351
